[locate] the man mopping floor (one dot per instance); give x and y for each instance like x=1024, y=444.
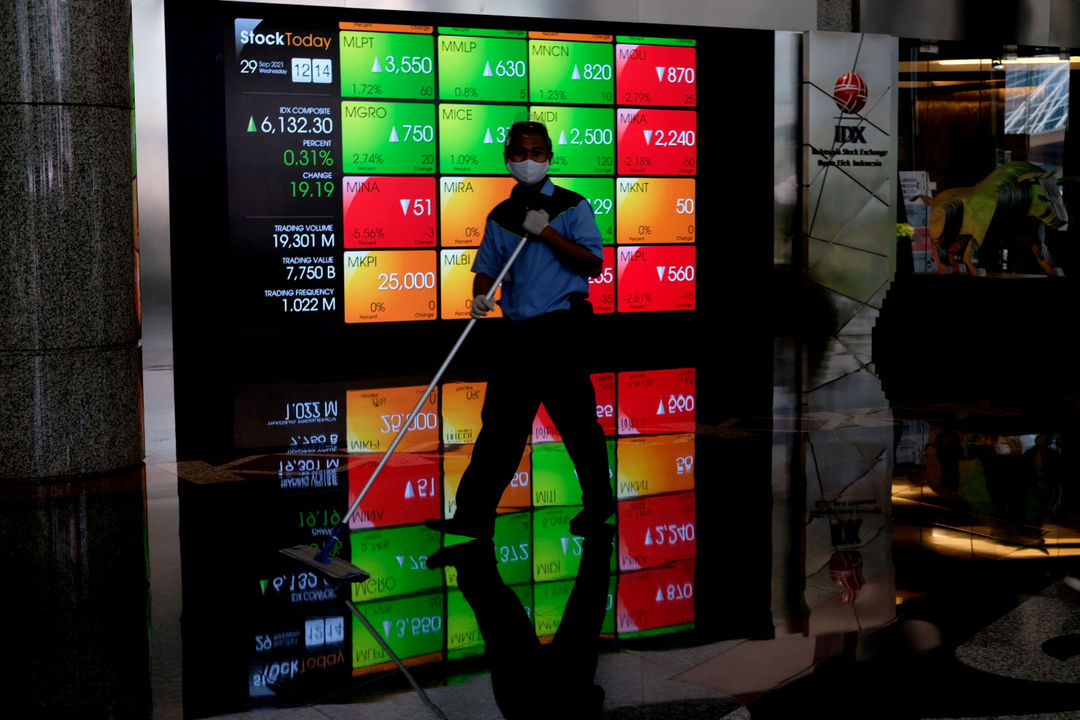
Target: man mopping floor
x=545, y=296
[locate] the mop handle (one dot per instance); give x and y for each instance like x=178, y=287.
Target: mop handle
x=324, y=555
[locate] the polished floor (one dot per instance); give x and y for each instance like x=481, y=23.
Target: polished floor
x=844, y=552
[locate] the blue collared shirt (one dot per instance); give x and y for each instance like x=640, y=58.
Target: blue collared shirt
x=537, y=282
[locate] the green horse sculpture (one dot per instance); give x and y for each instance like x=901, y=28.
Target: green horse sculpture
x=1004, y=203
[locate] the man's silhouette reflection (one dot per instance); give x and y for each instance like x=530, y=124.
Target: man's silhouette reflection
x=530, y=680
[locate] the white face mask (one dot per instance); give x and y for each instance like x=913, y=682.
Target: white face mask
x=528, y=172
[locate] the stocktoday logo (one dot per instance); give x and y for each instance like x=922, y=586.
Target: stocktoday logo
x=247, y=34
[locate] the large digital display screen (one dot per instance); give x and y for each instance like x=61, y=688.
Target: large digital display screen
x=363, y=157
x=332, y=170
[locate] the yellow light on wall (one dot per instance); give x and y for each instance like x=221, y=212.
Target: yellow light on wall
x=1040, y=60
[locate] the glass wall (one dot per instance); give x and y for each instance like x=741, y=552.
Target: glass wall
x=985, y=159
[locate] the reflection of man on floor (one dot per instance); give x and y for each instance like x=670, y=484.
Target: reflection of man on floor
x=541, y=357
x=533, y=681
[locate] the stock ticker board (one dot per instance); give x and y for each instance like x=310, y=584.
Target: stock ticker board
x=363, y=158
x=360, y=162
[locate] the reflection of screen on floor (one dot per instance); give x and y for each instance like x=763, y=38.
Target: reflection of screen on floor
x=407, y=491
x=655, y=601
x=514, y=547
x=397, y=561
x=655, y=531
x=463, y=637
x=556, y=550
x=412, y=626
x=551, y=599
x=655, y=464
x=657, y=401
x=544, y=429
x=554, y=479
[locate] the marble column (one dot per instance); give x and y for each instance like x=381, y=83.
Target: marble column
x=70, y=359
x=838, y=15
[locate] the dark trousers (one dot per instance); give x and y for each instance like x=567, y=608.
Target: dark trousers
x=544, y=360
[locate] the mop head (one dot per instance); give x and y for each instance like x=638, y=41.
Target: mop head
x=336, y=569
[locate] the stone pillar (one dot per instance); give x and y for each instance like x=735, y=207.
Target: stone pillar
x=838, y=15
x=70, y=360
